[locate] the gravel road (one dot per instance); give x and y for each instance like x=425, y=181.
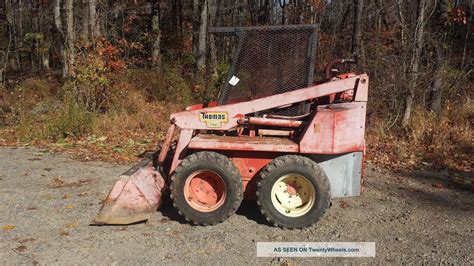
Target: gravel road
x=48, y=200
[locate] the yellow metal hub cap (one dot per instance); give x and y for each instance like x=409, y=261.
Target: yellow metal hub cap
x=293, y=195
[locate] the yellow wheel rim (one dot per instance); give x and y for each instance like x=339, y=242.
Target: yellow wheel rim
x=293, y=195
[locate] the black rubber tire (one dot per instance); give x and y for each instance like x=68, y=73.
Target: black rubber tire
x=293, y=164
x=222, y=166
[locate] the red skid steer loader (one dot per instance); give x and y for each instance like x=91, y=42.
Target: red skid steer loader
x=273, y=135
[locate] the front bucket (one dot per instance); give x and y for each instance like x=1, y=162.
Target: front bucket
x=134, y=197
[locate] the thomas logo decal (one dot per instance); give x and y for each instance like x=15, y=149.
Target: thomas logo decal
x=213, y=119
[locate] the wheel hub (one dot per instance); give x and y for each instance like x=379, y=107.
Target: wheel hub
x=205, y=191
x=293, y=195
x=291, y=190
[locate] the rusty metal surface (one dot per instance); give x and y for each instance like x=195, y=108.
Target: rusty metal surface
x=274, y=122
x=166, y=145
x=268, y=144
x=190, y=119
x=134, y=197
x=336, y=128
x=184, y=137
x=270, y=60
x=361, y=92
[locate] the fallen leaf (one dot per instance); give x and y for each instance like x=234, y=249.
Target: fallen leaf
x=66, y=196
x=20, y=248
x=438, y=185
x=82, y=182
x=69, y=206
x=72, y=225
x=57, y=182
x=344, y=204
x=64, y=232
x=287, y=262
x=26, y=240
x=31, y=209
x=8, y=227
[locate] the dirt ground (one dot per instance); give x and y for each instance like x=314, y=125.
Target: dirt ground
x=48, y=200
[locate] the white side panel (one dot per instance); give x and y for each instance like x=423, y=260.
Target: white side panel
x=344, y=172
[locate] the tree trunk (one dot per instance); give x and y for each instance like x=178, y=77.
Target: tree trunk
x=283, y=5
x=71, y=36
x=437, y=85
x=95, y=31
x=212, y=40
x=195, y=26
x=155, y=27
x=357, y=28
x=85, y=21
x=381, y=16
x=10, y=29
x=8, y=12
x=402, y=36
x=467, y=36
x=59, y=28
x=201, y=56
x=415, y=62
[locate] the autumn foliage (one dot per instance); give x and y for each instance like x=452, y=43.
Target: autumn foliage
x=131, y=71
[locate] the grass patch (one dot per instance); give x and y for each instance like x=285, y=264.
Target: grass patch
x=74, y=120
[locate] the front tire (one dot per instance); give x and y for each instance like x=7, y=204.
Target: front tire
x=206, y=188
x=293, y=192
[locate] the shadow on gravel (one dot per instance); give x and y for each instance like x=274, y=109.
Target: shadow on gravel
x=117, y=225
x=451, y=178
x=250, y=210
x=429, y=194
x=433, y=199
x=168, y=211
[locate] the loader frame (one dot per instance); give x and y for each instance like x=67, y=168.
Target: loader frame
x=276, y=137
x=335, y=129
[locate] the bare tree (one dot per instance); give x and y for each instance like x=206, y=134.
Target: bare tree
x=437, y=84
x=70, y=34
x=418, y=42
x=201, y=55
x=195, y=34
x=59, y=27
x=95, y=30
x=155, y=27
x=212, y=40
x=85, y=21
x=357, y=31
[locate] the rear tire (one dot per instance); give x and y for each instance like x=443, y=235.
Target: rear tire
x=206, y=188
x=293, y=192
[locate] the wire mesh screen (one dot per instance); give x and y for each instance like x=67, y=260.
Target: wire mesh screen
x=269, y=61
